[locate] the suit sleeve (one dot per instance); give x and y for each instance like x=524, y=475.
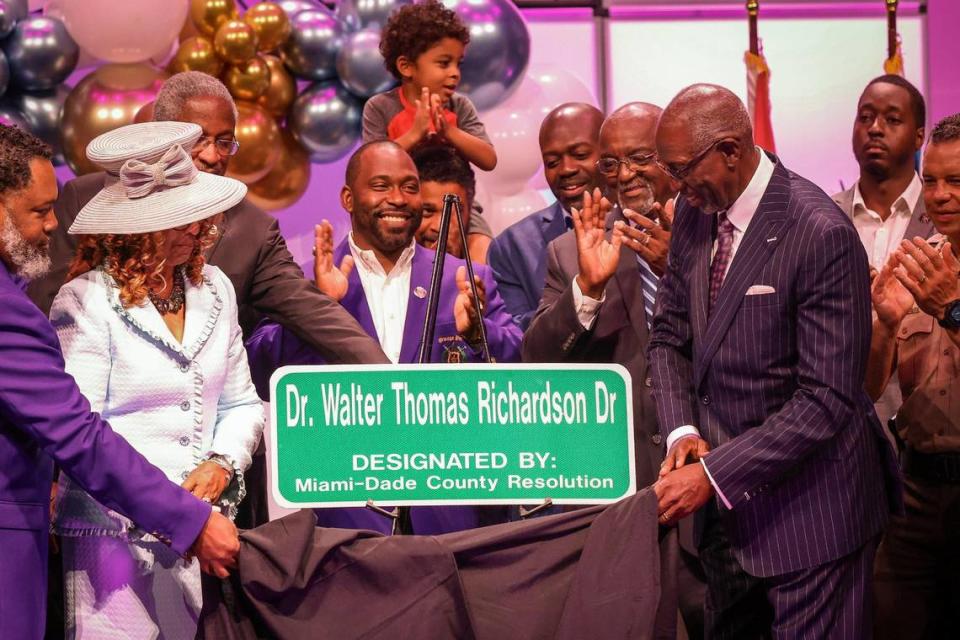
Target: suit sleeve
x=509, y=282
x=555, y=331
x=670, y=350
x=503, y=336
x=833, y=336
x=40, y=398
x=280, y=291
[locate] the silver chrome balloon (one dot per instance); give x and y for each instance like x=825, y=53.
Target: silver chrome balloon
x=293, y=7
x=364, y=14
x=360, y=65
x=10, y=117
x=311, y=50
x=4, y=74
x=19, y=8
x=498, y=53
x=325, y=119
x=41, y=53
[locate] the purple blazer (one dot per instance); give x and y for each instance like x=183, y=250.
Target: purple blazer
x=271, y=346
x=774, y=381
x=44, y=419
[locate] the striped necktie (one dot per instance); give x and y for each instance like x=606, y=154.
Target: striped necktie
x=649, y=282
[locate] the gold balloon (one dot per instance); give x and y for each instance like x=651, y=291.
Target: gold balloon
x=282, y=90
x=196, y=54
x=235, y=42
x=209, y=15
x=248, y=80
x=270, y=22
x=107, y=98
x=287, y=181
x=260, y=144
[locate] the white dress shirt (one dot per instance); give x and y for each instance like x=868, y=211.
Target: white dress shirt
x=387, y=295
x=882, y=237
x=740, y=214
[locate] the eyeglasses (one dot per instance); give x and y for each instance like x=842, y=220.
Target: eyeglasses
x=610, y=166
x=681, y=172
x=225, y=146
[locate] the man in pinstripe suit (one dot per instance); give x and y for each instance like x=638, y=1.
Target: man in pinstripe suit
x=758, y=352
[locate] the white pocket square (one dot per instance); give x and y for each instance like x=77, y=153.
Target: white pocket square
x=760, y=289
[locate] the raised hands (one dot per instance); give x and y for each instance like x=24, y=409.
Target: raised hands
x=330, y=279
x=931, y=276
x=465, y=307
x=891, y=300
x=650, y=237
x=597, y=257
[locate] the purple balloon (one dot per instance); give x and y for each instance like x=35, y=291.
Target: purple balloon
x=498, y=53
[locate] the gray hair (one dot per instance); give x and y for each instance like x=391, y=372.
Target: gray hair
x=181, y=87
x=709, y=111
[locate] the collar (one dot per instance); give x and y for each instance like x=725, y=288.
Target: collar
x=741, y=211
x=18, y=281
x=908, y=199
x=368, y=259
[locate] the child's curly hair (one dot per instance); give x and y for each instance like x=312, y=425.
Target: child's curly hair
x=414, y=28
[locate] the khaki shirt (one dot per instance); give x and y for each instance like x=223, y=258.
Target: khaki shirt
x=928, y=365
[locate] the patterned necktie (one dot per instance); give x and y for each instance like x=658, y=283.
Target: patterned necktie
x=649, y=282
x=721, y=259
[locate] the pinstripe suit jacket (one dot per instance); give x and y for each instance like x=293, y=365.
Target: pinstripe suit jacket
x=774, y=382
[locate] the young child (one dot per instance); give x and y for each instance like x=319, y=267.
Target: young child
x=422, y=45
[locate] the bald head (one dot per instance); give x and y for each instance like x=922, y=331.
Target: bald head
x=568, y=144
x=705, y=139
x=630, y=132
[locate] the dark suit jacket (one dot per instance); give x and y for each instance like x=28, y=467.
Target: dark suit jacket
x=253, y=254
x=619, y=334
x=518, y=259
x=774, y=382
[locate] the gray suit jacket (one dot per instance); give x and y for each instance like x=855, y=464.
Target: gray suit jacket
x=619, y=334
x=920, y=224
x=253, y=254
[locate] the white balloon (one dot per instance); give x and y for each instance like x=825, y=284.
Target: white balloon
x=558, y=86
x=127, y=31
x=503, y=210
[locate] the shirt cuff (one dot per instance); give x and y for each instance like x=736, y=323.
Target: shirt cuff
x=586, y=307
x=686, y=431
x=716, y=487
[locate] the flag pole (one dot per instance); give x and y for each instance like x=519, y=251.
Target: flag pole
x=891, y=28
x=753, y=8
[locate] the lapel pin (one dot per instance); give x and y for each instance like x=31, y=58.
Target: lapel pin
x=773, y=239
x=420, y=292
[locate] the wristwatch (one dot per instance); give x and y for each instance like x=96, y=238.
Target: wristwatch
x=951, y=316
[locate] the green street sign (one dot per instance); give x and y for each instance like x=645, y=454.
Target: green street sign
x=439, y=434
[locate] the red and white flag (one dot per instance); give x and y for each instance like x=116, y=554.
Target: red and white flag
x=758, y=99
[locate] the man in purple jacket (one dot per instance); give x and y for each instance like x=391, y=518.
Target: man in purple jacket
x=44, y=418
x=382, y=277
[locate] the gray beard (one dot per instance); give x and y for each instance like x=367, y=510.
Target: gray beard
x=28, y=261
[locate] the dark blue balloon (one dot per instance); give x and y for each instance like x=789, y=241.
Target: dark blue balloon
x=326, y=120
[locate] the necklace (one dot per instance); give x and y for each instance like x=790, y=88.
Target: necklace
x=175, y=302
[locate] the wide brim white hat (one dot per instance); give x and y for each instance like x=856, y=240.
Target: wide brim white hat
x=152, y=184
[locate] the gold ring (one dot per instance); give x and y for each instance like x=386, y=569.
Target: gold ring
x=922, y=278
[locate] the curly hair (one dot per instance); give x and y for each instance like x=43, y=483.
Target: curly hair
x=441, y=163
x=131, y=260
x=947, y=130
x=17, y=149
x=415, y=28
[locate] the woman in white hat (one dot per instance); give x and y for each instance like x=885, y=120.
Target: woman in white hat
x=150, y=333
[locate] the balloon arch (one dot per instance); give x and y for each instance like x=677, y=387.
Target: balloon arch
x=299, y=70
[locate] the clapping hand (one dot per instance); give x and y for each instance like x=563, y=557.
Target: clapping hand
x=933, y=277
x=650, y=237
x=465, y=308
x=597, y=257
x=330, y=279
x=891, y=300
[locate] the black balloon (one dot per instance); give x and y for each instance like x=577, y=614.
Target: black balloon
x=4, y=74
x=8, y=17
x=42, y=111
x=41, y=53
x=498, y=53
x=325, y=119
x=10, y=117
